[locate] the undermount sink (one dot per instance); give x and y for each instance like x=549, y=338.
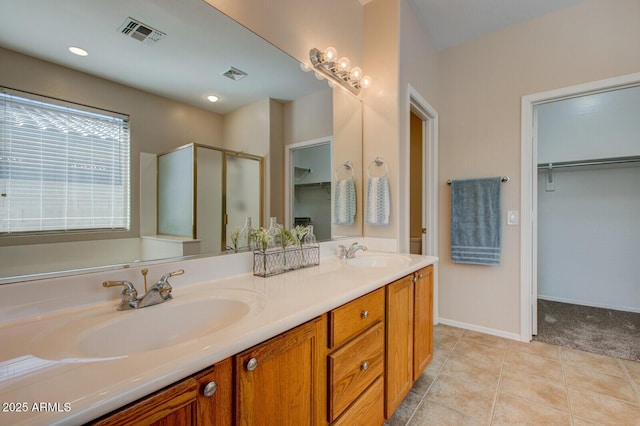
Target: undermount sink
x=366, y=260
x=120, y=334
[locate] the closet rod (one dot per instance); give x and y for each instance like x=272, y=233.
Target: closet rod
x=595, y=162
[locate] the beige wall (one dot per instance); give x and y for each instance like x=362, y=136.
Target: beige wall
x=481, y=84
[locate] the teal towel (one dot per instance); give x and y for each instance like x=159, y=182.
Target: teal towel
x=476, y=221
x=378, y=201
x=344, y=205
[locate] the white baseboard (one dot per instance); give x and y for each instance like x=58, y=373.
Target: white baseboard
x=592, y=304
x=480, y=329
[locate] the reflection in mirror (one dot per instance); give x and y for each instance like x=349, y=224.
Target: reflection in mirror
x=162, y=85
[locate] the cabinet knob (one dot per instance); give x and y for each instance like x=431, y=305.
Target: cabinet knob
x=252, y=364
x=210, y=389
x=364, y=365
x=364, y=314
x=420, y=276
x=414, y=279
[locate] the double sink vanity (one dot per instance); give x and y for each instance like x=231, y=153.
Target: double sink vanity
x=339, y=343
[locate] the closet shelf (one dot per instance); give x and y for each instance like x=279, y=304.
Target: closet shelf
x=593, y=162
x=313, y=185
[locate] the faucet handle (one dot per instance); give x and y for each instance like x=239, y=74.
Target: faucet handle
x=129, y=294
x=165, y=277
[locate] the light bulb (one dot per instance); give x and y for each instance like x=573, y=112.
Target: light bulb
x=356, y=74
x=344, y=63
x=213, y=98
x=304, y=67
x=319, y=76
x=365, y=82
x=330, y=54
x=78, y=51
x=331, y=84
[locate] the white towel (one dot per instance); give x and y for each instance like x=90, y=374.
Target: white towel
x=378, y=201
x=344, y=206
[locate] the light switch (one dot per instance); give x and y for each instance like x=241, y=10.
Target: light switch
x=512, y=217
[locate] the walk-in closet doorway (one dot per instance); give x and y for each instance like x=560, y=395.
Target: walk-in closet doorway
x=580, y=197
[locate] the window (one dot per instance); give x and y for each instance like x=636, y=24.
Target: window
x=62, y=169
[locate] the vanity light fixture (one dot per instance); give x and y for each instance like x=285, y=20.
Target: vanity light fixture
x=339, y=70
x=78, y=51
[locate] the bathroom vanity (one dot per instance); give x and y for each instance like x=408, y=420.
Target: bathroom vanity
x=340, y=343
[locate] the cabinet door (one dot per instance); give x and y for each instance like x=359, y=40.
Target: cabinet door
x=175, y=405
x=275, y=380
x=399, y=334
x=215, y=394
x=422, y=321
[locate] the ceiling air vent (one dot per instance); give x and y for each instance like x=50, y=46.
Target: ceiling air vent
x=141, y=32
x=235, y=74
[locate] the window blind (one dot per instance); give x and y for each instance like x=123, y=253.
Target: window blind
x=61, y=168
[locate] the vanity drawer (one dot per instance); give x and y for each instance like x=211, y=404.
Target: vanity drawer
x=348, y=320
x=354, y=367
x=368, y=409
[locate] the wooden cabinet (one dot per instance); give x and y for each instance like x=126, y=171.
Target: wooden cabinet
x=275, y=380
x=356, y=362
x=184, y=403
x=399, y=332
x=409, y=334
x=422, y=320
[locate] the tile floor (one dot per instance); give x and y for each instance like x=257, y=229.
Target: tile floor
x=478, y=379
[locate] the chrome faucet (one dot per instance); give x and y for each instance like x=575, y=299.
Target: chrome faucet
x=349, y=253
x=158, y=293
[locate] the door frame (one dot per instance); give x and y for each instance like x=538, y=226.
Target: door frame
x=429, y=116
x=288, y=173
x=529, y=184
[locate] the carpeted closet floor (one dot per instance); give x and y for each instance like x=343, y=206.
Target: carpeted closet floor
x=602, y=331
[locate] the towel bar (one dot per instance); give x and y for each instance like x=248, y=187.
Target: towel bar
x=503, y=179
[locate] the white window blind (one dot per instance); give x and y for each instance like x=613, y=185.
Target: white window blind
x=61, y=168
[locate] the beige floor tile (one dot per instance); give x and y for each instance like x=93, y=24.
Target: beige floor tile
x=431, y=413
x=536, y=389
x=438, y=360
x=485, y=339
x=542, y=349
x=485, y=353
x=534, y=365
x=590, y=361
x=634, y=370
x=473, y=370
x=444, y=341
x=577, y=421
x=511, y=410
x=405, y=410
x=603, y=409
x=467, y=398
x=421, y=386
x=588, y=380
x=447, y=329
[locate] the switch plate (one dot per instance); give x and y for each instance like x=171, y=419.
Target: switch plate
x=512, y=217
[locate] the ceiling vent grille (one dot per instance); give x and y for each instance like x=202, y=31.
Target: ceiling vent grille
x=141, y=32
x=235, y=74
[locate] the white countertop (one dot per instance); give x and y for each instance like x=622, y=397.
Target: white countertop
x=86, y=390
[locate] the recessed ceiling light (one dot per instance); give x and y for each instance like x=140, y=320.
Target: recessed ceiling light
x=78, y=51
x=213, y=98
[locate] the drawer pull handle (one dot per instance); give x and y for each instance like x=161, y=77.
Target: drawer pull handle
x=210, y=389
x=364, y=366
x=252, y=364
x=364, y=314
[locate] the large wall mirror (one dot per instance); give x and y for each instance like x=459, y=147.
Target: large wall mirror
x=157, y=61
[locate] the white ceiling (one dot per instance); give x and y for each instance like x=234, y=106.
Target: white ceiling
x=453, y=22
x=200, y=44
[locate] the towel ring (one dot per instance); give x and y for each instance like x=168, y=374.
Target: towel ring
x=378, y=162
x=348, y=165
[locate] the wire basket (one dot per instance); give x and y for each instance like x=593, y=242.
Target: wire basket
x=277, y=261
